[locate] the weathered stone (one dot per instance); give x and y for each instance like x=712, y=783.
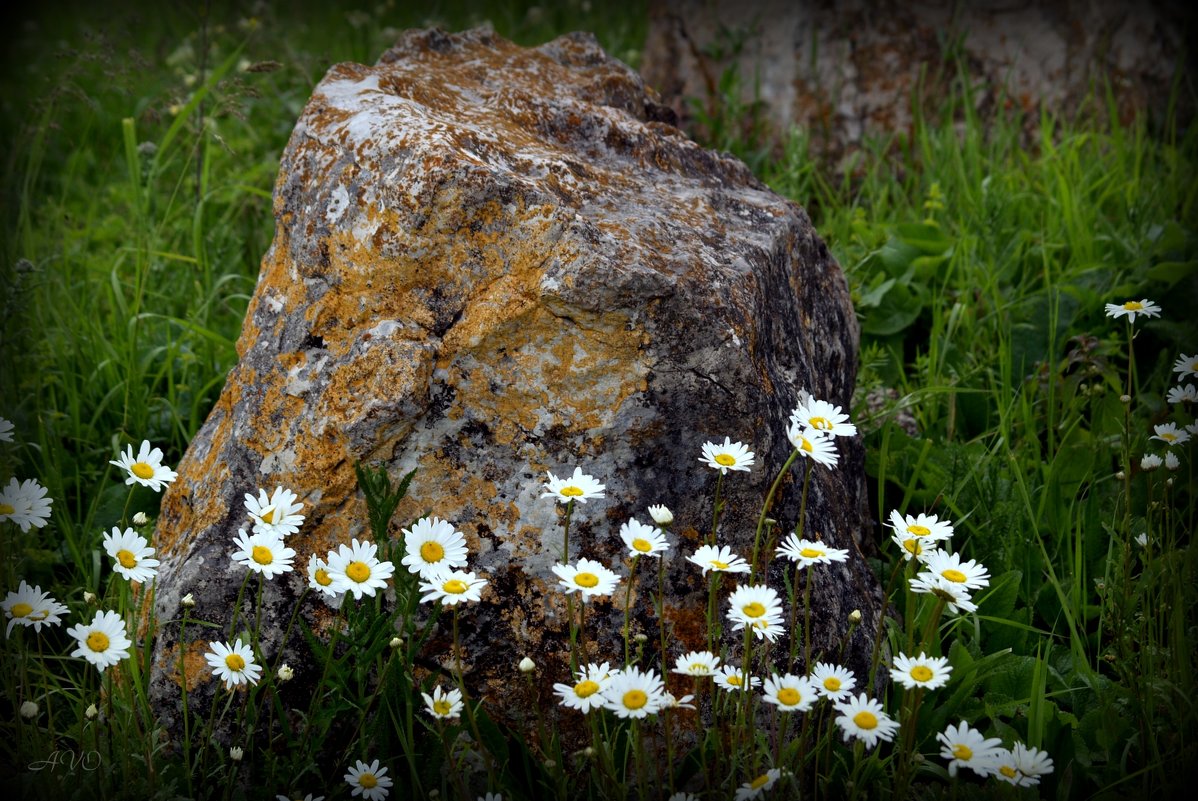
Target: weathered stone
x=491, y=262
x=848, y=70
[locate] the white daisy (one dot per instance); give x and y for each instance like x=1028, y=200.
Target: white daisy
x=823, y=418
x=25, y=503
x=811, y=445
x=953, y=593
x=913, y=547
x=432, y=545
x=681, y=796
x=233, y=664
x=697, y=663
x=833, y=681
x=631, y=693
x=308, y=797
x=863, y=718
x=262, y=553
x=1170, y=433
x=1032, y=763
x=356, y=569
x=1192, y=428
x=770, y=628
x=643, y=540
x=759, y=785
x=584, y=695
x=1185, y=366
x=967, y=748
x=1150, y=462
x=729, y=456
x=1171, y=461
x=578, y=487
x=661, y=515
x=132, y=553
x=733, y=679
x=452, y=587
x=103, y=642
x=319, y=578
x=588, y=578
x=810, y=552
x=1186, y=394
x=146, y=467
x=1132, y=309
x=5, y=430
x=369, y=781
x=29, y=606
x=442, y=704
x=749, y=605
x=929, y=528
x=790, y=693
x=949, y=566
x=719, y=558
x=921, y=671
x=276, y=514
x=673, y=702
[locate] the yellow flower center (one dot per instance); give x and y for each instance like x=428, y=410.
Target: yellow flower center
x=921, y=673
x=718, y=565
x=759, y=782
x=97, y=641
x=21, y=609
x=644, y=546
x=141, y=470
x=789, y=696
x=1133, y=305
x=455, y=586
x=1008, y=771
x=805, y=444
x=432, y=551
x=962, y=752
x=820, y=423
x=268, y=516
x=811, y=553
x=953, y=575
x=735, y=681
x=262, y=555
x=918, y=531
x=322, y=577
x=6, y=508
x=912, y=546
x=235, y=662
x=571, y=492
x=367, y=780
x=1168, y=436
x=442, y=707
x=866, y=719
x=725, y=460
x=699, y=667
x=358, y=571
x=126, y=558
x=586, y=579
x=635, y=699
x=586, y=688
x=832, y=684
x=753, y=609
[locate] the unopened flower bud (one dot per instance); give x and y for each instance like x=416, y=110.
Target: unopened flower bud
x=236, y=753
x=91, y=712
x=1125, y=398
x=188, y=601
x=89, y=597
x=285, y=672
x=641, y=637
x=661, y=515
x=396, y=642
x=550, y=764
x=527, y=665
x=29, y=710
x=855, y=616
x=1121, y=475
x=140, y=519
x=1150, y=462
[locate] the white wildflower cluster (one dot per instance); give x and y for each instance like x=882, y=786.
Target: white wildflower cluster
x=968, y=748
x=1175, y=433
x=945, y=575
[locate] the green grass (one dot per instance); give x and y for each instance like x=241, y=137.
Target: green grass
x=136, y=207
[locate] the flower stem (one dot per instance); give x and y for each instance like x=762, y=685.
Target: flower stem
x=765, y=507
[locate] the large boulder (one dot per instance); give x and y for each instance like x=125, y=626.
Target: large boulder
x=491, y=262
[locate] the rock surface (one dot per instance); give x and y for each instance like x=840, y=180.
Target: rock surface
x=491, y=262
x=847, y=70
